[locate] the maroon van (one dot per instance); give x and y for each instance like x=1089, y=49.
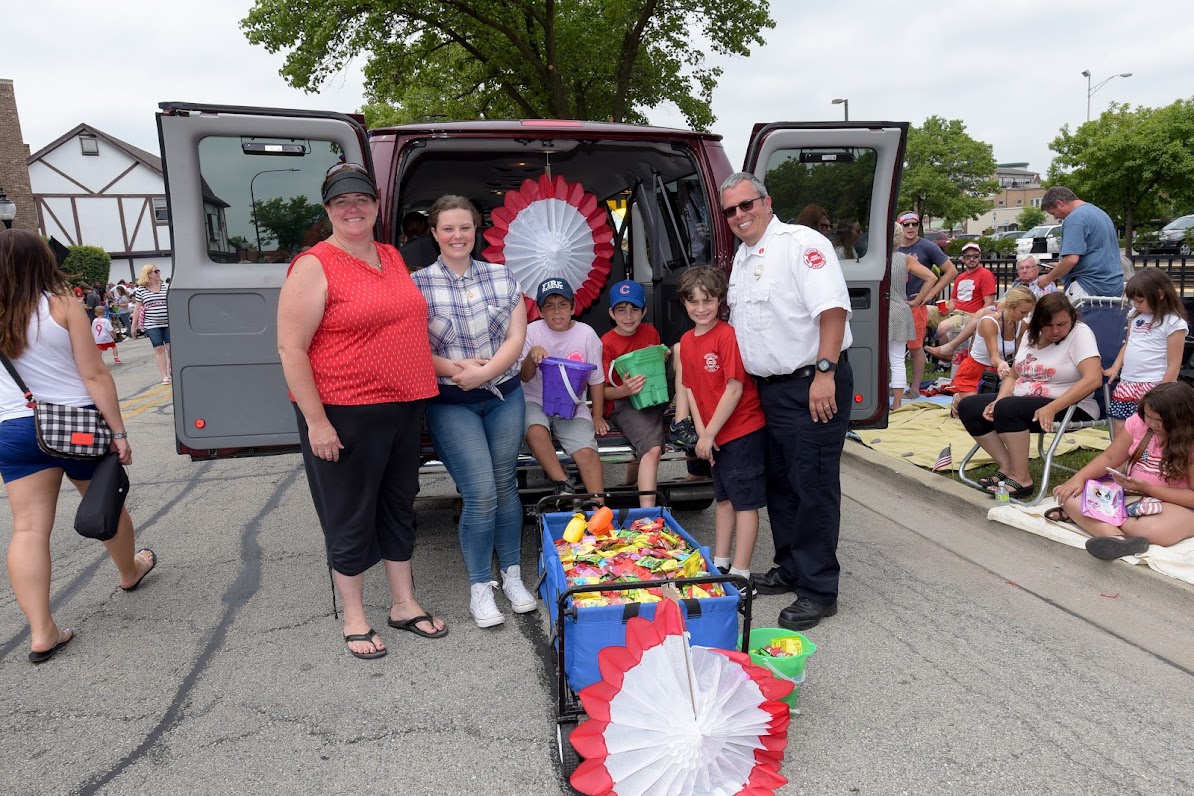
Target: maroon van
x=656, y=188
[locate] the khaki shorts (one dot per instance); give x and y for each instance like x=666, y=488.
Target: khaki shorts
x=574, y=433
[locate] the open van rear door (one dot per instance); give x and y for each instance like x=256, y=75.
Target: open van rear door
x=243, y=186
x=851, y=170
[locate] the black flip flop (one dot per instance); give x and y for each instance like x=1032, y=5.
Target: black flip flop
x=992, y=480
x=45, y=655
x=377, y=653
x=1109, y=548
x=1014, y=488
x=1057, y=514
x=153, y=562
x=412, y=626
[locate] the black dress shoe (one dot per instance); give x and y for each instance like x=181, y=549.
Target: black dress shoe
x=772, y=582
x=804, y=613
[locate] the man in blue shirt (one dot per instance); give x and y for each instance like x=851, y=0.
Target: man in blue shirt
x=930, y=255
x=1089, y=264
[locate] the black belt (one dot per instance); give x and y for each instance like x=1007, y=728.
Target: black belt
x=808, y=371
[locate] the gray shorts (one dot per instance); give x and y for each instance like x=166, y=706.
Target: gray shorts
x=643, y=428
x=574, y=433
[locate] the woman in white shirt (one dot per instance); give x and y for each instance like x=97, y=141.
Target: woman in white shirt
x=46, y=334
x=1057, y=366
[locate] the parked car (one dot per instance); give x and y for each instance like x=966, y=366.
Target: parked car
x=964, y=236
x=1172, y=238
x=938, y=236
x=1043, y=242
x=1011, y=233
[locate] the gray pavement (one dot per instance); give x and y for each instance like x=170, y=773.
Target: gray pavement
x=967, y=657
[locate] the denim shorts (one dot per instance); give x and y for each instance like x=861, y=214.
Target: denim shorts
x=738, y=471
x=159, y=335
x=20, y=455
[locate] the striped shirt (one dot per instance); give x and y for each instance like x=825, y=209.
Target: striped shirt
x=153, y=305
x=469, y=316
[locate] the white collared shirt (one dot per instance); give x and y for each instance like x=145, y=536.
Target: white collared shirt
x=778, y=289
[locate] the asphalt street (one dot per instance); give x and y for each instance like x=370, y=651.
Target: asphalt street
x=966, y=658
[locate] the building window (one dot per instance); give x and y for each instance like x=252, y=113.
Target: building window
x=1036, y=202
x=1019, y=202
x=89, y=144
x=161, y=211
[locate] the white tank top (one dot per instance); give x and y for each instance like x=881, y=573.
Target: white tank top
x=1007, y=348
x=47, y=367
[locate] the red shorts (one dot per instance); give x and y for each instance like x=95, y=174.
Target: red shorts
x=969, y=375
x=105, y=346
x=920, y=324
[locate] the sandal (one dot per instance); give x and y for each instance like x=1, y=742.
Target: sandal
x=992, y=480
x=377, y=653
x=1109, y=548
x=1057, y=514
x=153, y=562
x=1015, y=489
x=412, y=626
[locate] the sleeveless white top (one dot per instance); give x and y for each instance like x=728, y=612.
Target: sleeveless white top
x=47, y=367
x=1007, y=348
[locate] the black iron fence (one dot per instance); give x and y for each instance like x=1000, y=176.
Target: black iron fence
x=1180, y=270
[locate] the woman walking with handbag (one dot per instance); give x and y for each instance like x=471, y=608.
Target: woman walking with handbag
x=46, y=336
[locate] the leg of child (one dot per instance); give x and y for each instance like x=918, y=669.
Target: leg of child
x=1117, y=426
x=632, y=473
x=723, y=532
x=544, y=451
x=589, y=465
x=648, y=476
x=746, y=531
x=116, y=355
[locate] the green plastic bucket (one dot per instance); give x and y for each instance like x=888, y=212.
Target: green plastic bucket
x=647, y=362
x=783, y=668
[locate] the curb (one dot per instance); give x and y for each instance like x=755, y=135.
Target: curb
x=913, y=475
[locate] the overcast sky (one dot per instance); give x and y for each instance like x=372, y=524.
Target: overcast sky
x=1010, y=70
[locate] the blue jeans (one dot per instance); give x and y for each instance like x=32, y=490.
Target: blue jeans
x=478, y=444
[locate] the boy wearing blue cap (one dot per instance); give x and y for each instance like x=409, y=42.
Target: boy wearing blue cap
x=558, y=335
x=643, y=428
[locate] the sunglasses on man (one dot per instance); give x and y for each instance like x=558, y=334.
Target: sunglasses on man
x=745, y=207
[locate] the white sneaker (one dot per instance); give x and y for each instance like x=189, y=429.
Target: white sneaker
x=520, y=599
x=485, y=610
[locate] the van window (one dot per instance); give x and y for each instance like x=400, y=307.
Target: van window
x=260, y=207
x=829, y=190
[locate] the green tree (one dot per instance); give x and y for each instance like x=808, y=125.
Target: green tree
x=286, y=222
x=607, y=60
x=88, y=264
x=1135, y=164
x=947, y=174
x=1031, y=217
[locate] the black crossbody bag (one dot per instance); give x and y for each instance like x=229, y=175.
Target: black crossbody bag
x=71, y=432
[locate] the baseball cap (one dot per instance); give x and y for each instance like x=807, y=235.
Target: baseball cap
x=908, y=215
x=627, y=292
x=972, y=245
x=347, y=181
x=553, y=286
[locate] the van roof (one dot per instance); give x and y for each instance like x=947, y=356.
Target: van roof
x=569, y=127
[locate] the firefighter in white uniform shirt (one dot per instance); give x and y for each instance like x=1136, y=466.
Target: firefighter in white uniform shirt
x=790, y=310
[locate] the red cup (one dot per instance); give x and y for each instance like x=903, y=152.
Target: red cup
x=942, y=307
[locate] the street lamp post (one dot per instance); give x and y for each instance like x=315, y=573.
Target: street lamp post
x=8, y=209
x=1090, y=91
x=846, y=106
x=253, y=201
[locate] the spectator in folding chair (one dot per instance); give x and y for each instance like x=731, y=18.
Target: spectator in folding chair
x=1058, y=366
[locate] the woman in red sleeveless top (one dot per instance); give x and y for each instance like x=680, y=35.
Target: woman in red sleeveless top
x=352, y=336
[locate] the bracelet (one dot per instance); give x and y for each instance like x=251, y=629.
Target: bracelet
x=120, y=435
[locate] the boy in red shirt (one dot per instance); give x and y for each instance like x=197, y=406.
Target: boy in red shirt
x=643, y=428
x=729, y=421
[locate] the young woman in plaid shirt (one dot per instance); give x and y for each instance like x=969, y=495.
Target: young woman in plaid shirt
x=477, y=322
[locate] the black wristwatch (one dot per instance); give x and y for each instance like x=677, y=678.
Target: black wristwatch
x=826, y=365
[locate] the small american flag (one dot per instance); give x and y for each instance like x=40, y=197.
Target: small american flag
x=944, y=459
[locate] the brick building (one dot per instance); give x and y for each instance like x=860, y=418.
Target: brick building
x=14, y=159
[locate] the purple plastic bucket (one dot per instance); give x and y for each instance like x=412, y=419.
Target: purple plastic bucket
x=563, y=385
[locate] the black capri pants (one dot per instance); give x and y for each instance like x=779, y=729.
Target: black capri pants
x=1013, y=413
x=365, y=501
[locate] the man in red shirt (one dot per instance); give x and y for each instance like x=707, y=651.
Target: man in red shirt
x=973, y=289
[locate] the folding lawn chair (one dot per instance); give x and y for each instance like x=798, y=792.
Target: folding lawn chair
x=1107, y=317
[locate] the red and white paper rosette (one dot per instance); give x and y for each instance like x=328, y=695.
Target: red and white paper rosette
x=552, y=228
x=668, y=719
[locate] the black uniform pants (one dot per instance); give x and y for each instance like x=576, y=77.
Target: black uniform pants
x=804, y=490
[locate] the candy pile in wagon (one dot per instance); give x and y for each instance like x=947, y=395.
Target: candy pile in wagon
x=645, y=551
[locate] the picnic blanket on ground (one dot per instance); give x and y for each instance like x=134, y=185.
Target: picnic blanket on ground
x=1176, y=561
x=921, y=430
